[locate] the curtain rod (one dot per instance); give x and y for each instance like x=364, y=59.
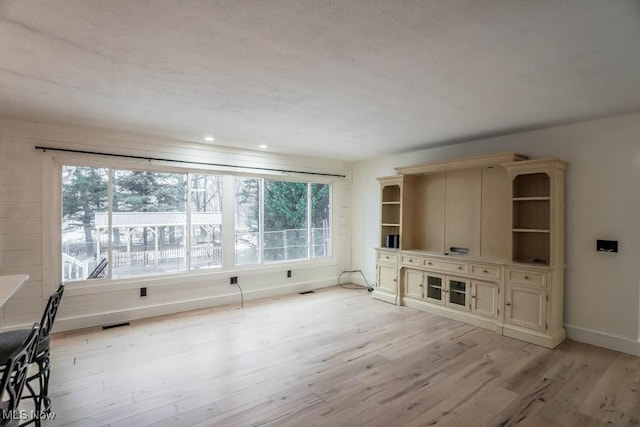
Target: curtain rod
x=127, y=156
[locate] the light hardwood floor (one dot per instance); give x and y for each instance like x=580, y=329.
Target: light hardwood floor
x=335, y=358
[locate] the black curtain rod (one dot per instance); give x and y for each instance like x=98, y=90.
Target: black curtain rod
x=127, y=156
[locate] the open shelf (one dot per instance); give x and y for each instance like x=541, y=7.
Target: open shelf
x=531, y=230
x=391, y=214
x=531, y=246
x=531, y=214
x=391, y=193
x=532, y=185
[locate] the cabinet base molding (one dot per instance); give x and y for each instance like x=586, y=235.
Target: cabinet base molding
x=453, y=314
x=544, y=340
x=384, y=296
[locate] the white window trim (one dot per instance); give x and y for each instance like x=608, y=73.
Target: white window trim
x=52, y=207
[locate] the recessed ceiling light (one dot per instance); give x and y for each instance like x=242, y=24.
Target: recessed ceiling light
x=263, y=146
x=209, y=138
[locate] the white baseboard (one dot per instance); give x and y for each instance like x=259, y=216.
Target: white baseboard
x=602, y=339
x=120, y=316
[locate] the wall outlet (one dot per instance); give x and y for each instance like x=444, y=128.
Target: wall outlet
x=288, y=273
x=233, y=280
x=143, y=292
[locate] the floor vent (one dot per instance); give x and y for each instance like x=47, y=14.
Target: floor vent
x=306, y=292
x=117, y=325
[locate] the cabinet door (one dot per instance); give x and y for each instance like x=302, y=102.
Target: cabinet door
x=435, y=288
x=387, y=280
x=484, y=298
x=413, y=287
x=526, y=307
x=457, y=293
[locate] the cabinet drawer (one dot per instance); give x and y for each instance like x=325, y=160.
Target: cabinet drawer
x=485, y=272
x=411, y=260
x=453, y=267
x=388, y=257
x=525, y=277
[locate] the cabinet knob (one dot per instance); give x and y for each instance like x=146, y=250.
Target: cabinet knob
x=395, y=280
x=430, y=263
x=386, y=257
x=459, y=267
x=485, y=271
x=526, y=277
x=410, y=260
x=473, y=296
x=508, y=304
x=421, y=285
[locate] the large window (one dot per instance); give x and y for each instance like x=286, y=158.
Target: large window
x=84, y=196
x=285, y=221
x=281, y=221
x=206, y=220
x=119, y=223
x=248, y=238
x=148, y=222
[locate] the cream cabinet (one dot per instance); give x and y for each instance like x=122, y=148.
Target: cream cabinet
x=386, y=288
x=526, y=307
x=457, y=293
x=484, y=298
x=387, y=278
x=413, y=283
x=479, y=240
x=448, y=291
x=435, y=284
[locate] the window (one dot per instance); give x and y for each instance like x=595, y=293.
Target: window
x=141, y=222
x=84, y=196
x=273, y=217
x=248, y=247
x=285, y=221
x=206, y=221
x=148, y=223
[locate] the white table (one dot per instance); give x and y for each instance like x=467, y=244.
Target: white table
x=9, y=285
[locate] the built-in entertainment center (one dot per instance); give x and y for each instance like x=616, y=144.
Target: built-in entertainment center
x=480, y=240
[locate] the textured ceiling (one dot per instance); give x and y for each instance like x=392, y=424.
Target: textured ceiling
x=348, y=79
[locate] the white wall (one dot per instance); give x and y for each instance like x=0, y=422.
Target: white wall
x=28, y=244
x=602, y=297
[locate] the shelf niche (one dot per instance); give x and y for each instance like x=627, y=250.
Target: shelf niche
x=531, y=247
x=391, y=209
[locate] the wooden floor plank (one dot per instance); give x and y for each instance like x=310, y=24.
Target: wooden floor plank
x=332, y=358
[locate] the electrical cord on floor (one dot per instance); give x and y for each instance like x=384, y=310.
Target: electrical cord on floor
x=356, y=287
x=241, y=295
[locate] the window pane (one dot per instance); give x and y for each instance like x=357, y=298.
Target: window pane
x=84, y=197
x=247, y=220
x=285, y=221
x=149, y=221
x=206, y=221
x=321, y=220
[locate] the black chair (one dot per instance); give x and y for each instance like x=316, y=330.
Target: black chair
x=11, y=340
x=14, y=378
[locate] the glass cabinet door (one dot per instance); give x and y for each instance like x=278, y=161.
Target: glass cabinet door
x=458, y=293
x=434, y=288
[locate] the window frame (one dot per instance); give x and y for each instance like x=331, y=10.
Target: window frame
x=53, y=237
